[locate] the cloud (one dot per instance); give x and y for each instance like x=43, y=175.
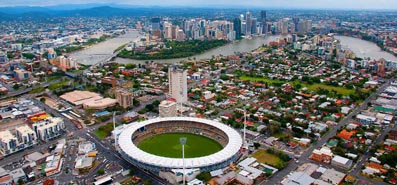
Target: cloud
x=340, y=4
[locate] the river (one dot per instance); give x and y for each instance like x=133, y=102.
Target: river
x=103, y=50
x=363, y=48
x=244, y=45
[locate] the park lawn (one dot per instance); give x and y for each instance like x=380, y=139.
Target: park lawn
x=168, y=145
x=340, y=90
x=37, y=90
x=263, y=157
x=100, y=134
x=104, y=131
x=261, y=79
x=58, y=85
x=313, y=87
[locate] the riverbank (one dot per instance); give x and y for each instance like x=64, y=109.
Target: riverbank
x=174, y=50
x=364, y=49
x=244, y=45
x=103, y=50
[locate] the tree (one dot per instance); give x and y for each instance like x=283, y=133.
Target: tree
x=204, y=176
x=147, y=182
x=42, y=99
x=20, y=182
x=257, y=145
x=131, y=173
x=101, y=171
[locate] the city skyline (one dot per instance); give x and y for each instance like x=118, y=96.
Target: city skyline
x=299, y=4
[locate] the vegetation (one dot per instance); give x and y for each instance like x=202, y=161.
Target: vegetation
x=101, y=171
x=37, y=90
x=120, y=48
x=58, y=85
x=175, y=49
x=310, y=84
x=204, y=176
x=272, y=157
x=28, y=55
x=104, y=131
x=168, y=145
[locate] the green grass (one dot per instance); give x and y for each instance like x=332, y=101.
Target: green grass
x=100, y=134
x=339, y=90
x=167, y=145
x=37, y=90
x=313, y=87
x=104, y=131
x=261, y=79
x=263, y=157
x=58, y=85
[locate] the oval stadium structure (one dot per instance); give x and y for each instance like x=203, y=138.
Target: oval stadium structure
x=133, y=134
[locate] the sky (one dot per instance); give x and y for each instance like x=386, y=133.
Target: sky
x=312, y=4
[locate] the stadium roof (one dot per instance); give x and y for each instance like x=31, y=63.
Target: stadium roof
x=127, y=146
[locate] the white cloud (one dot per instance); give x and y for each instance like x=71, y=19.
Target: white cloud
x=340, y=4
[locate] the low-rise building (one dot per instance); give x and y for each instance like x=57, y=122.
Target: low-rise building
x=323, y=155
x=8, y=143
x=26, y=136
x=86, y=147
x=342, y=162
x=333, y=177
x=49, y=128
x=168, y=108
x=5, y=177
x=83, y=163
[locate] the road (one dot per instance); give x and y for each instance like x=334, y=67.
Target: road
x=27, y=90
x=103, y=149
x=304, y=158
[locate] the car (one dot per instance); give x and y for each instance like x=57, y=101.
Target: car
x=297, y=161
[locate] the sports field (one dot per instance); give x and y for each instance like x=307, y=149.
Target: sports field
x=167, y=145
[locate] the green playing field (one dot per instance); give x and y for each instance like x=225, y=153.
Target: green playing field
x=168, y=145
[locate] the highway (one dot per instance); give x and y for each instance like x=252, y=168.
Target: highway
x=27, y=90
x=304, y=158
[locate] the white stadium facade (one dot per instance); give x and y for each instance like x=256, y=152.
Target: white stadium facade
x=130, y=136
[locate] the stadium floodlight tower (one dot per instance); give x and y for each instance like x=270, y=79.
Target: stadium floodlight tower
x=182, y=140
x=244, y=131
x=114, y=128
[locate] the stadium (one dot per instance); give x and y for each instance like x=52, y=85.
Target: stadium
x=134, y=134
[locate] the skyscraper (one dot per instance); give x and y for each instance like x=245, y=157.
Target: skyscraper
x=237, y=27
x=263, y=22
x=155, y=23
x=177, y=79
x=253, y=25
x=156, y=30
x=248, y=23
x=295, y=20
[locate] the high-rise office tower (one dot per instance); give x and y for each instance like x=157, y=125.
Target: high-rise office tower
x=156, y=30
x=301, y=27
x=155, y=23
x=253, y=25
x=248, y=22
x=295, y=20
x=237, y=27
x=283, y=24
x=263, y=22
x=308, y=25
x=177, y=80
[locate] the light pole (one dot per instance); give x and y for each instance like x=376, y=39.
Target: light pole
x=245, y=125
x=114, y=130
x=182, y=140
